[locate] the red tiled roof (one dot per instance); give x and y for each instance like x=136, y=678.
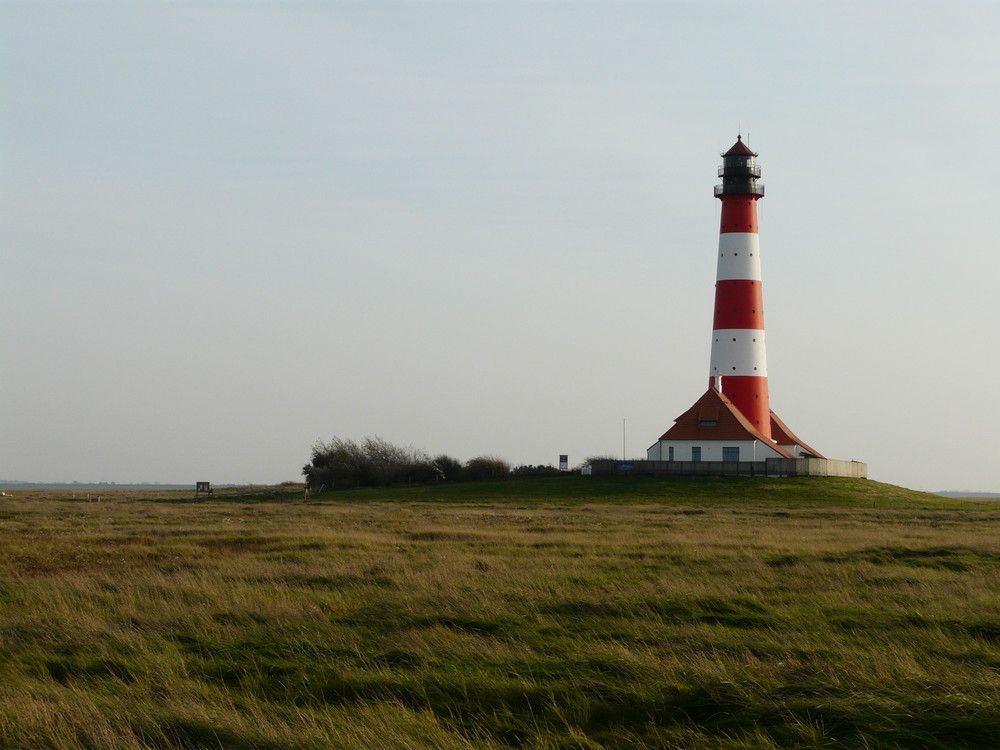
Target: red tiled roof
x=784, y=436
x=739, y=148
x=730, y=424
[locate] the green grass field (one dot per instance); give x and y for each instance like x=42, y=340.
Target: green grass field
x=569, y=613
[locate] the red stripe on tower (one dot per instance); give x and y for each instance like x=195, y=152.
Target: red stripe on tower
x=738, y=304
x=739, y=362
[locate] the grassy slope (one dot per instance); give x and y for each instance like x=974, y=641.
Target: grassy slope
x=548, y=613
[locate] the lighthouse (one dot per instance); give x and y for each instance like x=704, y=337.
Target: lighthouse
x=733, y=421
x=738, y=362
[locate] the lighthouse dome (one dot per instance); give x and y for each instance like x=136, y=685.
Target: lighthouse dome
x=739, y=148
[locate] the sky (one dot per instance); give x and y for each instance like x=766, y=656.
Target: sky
x=229, y=230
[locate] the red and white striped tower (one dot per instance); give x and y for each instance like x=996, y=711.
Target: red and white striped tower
x=738, y=362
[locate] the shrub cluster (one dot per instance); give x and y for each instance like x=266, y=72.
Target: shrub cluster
x=374, y=462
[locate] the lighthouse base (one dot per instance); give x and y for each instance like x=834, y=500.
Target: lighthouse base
x=713, y=429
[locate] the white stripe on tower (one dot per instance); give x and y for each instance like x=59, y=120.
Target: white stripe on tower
x=739, y=256
x=738, y=353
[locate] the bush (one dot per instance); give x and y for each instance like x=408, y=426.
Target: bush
x=486, y=467
x=342, y=463
x=449, y=469
x=337, y=463
x=374, y=463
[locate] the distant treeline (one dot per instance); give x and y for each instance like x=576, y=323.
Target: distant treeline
x=374, y=462
x=16, y=485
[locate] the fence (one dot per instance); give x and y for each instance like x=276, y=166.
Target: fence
x=771, y=467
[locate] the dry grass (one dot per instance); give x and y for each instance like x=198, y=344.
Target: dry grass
x=757, y=615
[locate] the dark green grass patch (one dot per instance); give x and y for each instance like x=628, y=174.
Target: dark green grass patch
x=876, y=620
x=474, y=625
x=69, y=668
x=738, y=612
x=943, y=558
x=195, y=733
x=384, y=618
x=338, y=582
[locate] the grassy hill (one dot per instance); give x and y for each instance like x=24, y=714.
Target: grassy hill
x=574, y=488
x=566, y=612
